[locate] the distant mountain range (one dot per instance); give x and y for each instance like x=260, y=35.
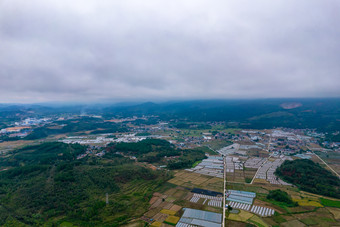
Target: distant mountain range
x=323, y=114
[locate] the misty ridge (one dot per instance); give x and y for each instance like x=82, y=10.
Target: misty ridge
x=321, y=113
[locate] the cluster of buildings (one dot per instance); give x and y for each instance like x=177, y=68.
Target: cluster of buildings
x=212, y=166
x=24, y=127
x=267, y=170
x=232, y=164
x=129, y=138
x=193, y=217
x=244, y=200
x=151, y=129
x=87, y=140
x=281, y=141
x=239, y=200
x=331, y=145
x=17, y=131
x=33, y=121
x=240, y=196
x=193, y=141
x=229, y=149
x=103, y=139
x=288, y=141
x=208, y=199
x=254, y=163
x=92, y=151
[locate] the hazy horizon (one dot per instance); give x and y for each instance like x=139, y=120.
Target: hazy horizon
x=169, y=101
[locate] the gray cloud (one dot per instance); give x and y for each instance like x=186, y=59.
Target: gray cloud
x=76, y=50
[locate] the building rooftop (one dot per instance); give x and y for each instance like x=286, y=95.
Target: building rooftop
x=200, y=218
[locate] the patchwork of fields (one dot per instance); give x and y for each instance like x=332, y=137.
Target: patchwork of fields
x=166, y=205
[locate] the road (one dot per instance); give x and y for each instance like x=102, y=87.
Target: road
x=224, y=189
x=324, y=162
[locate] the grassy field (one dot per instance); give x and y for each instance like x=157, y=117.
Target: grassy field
x=330, y=203
x=258, y=221
x=207, y=150
x=172, y=220
x=308, y=221
x=12, y=145
x=242, y=216
x=218, y=144
x=196, y=163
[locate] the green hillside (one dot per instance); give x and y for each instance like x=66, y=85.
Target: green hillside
x=310, y=176
x=46, y=184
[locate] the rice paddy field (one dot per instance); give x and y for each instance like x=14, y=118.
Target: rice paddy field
x=308, y=202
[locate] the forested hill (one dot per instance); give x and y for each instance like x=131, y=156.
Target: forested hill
x=47, y=185
x=323, y=114
x=310, y=176
x=160, y=152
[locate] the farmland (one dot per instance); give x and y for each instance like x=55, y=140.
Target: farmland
x=191, y=180
x=310, y=207
x=152, y=168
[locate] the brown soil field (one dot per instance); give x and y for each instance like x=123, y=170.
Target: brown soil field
x=335, y=212
x=153, y=212
x=294, y=223
x=176, y=208
x=160, y=217
x=153, y=200
x=192, y=180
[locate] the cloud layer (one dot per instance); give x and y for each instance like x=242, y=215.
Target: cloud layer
x=58, y=50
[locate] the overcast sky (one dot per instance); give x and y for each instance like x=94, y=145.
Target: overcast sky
x=112, y=50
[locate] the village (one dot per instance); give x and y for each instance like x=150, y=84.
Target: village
x=249, y=162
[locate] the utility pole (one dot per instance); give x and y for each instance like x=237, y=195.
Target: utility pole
x=107, y=199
